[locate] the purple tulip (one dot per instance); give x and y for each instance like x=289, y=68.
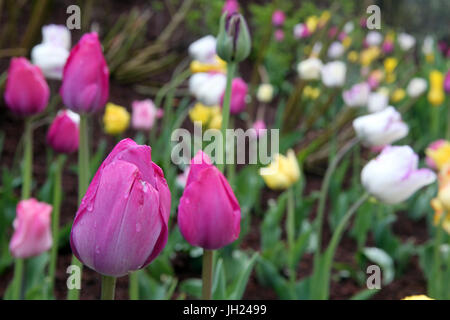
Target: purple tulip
x=85, y=85
x=121, y=224
x=388, y=47
x=239, y=91
x=63, y=134
x=209, y=214
x=26, y=91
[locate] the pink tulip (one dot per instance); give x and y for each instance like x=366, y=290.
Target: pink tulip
x=260, y=127
x=278, y=18
x=26, y=91
x=447, y=82
x=144, y=114
x=63, y=134
x=239, y=91
x=301, y=31
x=279, y=35
x=387, y=47
x=209, y=214
x=32, y=231
x=230, y=6
x=85, y=84
x=121, y=224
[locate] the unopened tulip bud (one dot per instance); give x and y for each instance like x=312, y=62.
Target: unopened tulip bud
x=64, y=132
x=233, y=41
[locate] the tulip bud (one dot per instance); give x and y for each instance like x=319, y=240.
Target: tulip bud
x=230, y=6
x=32, y=231
x=26, y=91
x=64, y=132
x=239, y=91
x=233, y=41
x=85, y=85
x=393, y=176
x=209, y=214
x=121, y=224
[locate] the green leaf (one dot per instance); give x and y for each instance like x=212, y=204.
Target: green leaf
x=240, y=284
x=192, y=287
x=219, y=282
x=364, y=294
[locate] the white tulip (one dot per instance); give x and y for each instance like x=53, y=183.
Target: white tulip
x=309, y=69
x=208, y=87
x=357, y=96
x=428, y=45
x=377, y=101
x=393, y=176
x=349, y=27
x=265, y=92
x=381, y=128
x=374, y=38
x=406, y=41
x=51, y=55
x=336, y=50
x=416, y=87
x=333, y=74
x=203, y=49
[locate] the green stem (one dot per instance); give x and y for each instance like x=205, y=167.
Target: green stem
x=231, y=68
x=436, y=280
x=321, y=207
x=329, y=253
x=57, y=196
x=290, y=232
x=108, y=287
x=207, y=274
x=26, y=193
x=83, y=183
x=133, y=287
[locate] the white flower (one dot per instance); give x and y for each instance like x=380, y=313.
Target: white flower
x=381, y=128
x=336, y=50
x=406, y=41
x=357, y=96
x=428, y=44
x=309, y=69
x=349, y=27
x=374, y=38
x=207, y=87
x=416, y=87
x=377, y=101
x=333, y=74
x=51, y=55
x=265, y=92
x=392, y=177
x=317, y=47
x=203, y=49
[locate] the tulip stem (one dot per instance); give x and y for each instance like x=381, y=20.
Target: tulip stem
x=57, y=196
x=435, y=289
x=133, y=286
x=318, y=224
x=290, y=232
x=83, y=183
x=26, y=193
x=108, y=287
x=207, y=274
x=231, y=68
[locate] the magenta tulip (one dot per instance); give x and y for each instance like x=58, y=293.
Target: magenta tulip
x=209, y=214
x=32, y=232
x=122, y=222
x=26, y=91
x=231, y=7
x=278, y=18
x=63, y=134
x=239, y=91
x=447, y=82
x=85, y=86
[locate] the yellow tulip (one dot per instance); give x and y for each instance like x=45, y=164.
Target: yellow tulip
x=311, y=23
x=219, y=66
x=116, y=119
x=282, y=172
x=436, y=79
x=398, y=95
x=200, y=113
x=390, y=64
x=347, y=42
x=436, y=96
x=418, y=297
x=311, y=92
x=440, y=155
x=368, y=55
x=324, y=17
x=216, y=118
x=353, y=56
x=438, y=212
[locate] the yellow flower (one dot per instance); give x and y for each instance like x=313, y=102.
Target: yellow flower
x=265, y=92
x=116, y=119
x=398, y=95
x=436, y=79
x=347, y=42
x=219, y=66
x=200, y=113
x=438, y=208
x=353, y=56
x=216, y=118
x=324, y=17
x=418, y=297
x=429, y=57
x=390, y=64
x=311, y=23
x=440, y=155
x=311, y=92
x=368, y=55
x=436, y=96
x=282, y=172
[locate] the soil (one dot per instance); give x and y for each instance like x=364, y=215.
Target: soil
x=411, y=282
